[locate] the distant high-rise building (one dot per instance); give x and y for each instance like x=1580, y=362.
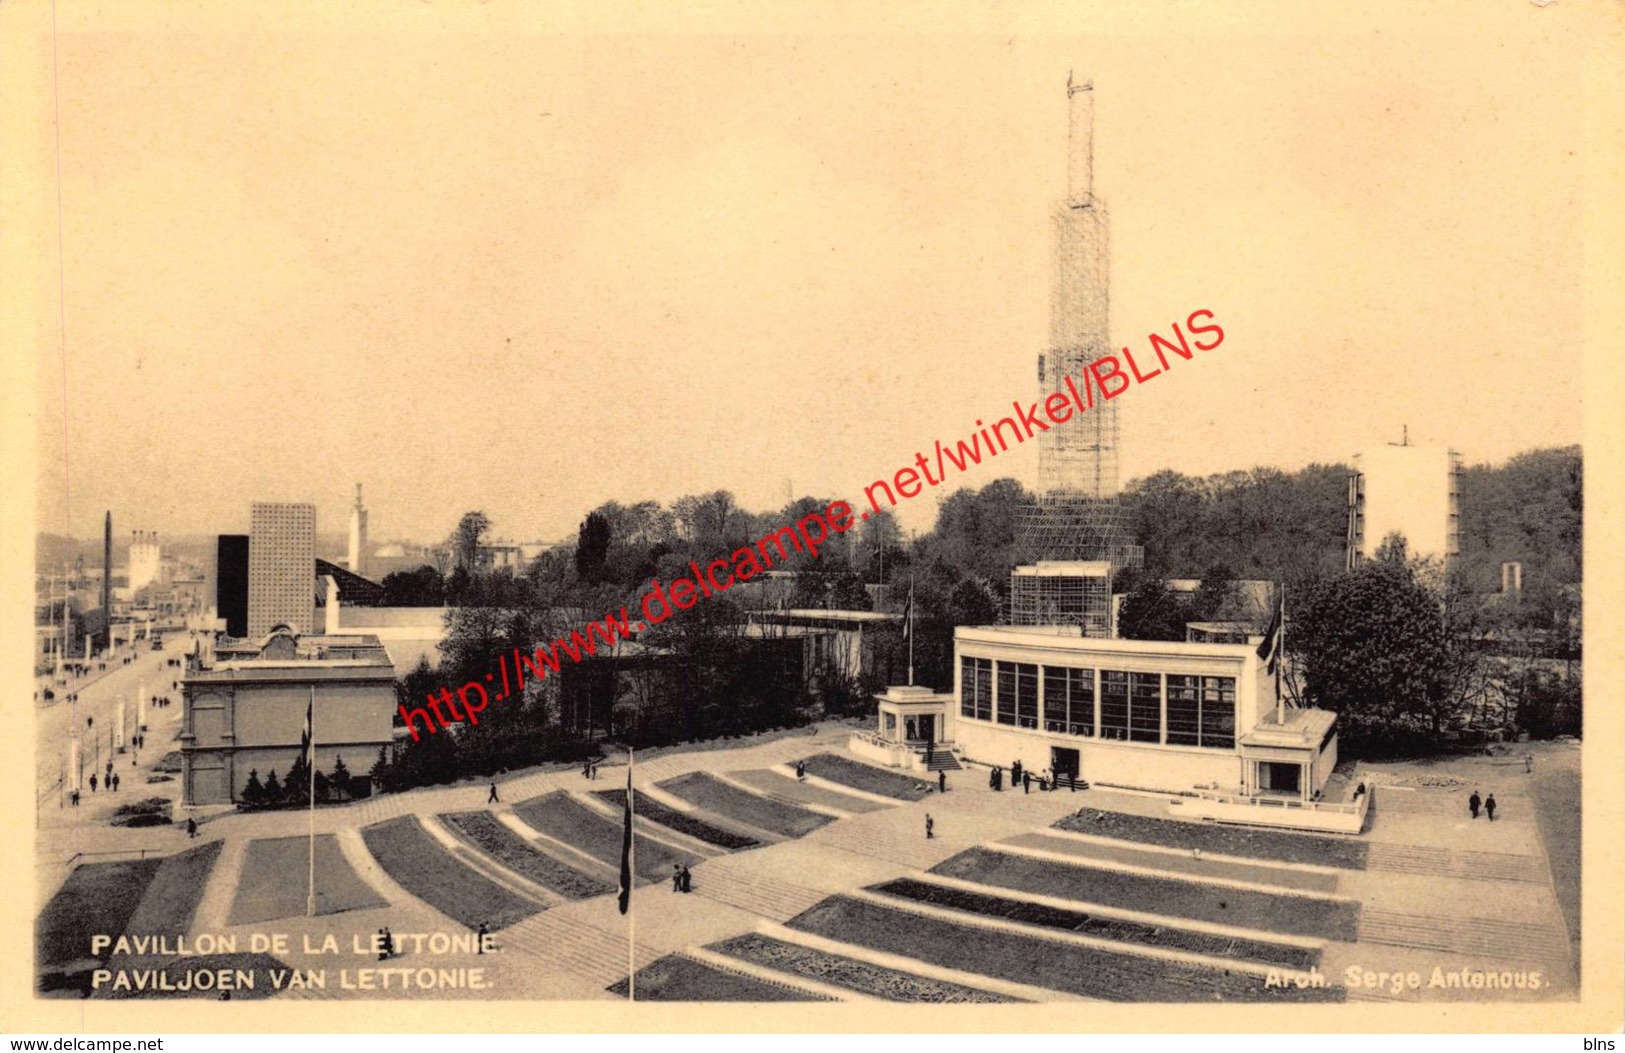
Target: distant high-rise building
x=1412, y=491
x=146, y=559
x=281, y=567
x=231, y=582
x=357, y=562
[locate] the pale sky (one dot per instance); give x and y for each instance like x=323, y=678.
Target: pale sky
x=529, y=273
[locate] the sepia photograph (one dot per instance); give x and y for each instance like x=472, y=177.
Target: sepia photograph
x=978, y=512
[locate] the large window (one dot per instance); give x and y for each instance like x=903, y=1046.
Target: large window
x=1018, y=694
x=1113, y=704
x=1069, y=700
x=1184, y=710
x=1202, y=711
x=1219, y=712
x=976, y=688
x=1145, y=707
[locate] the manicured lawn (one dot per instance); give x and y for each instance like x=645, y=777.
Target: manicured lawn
x=648, y=808
x=276, y=875
x=1087, y=971
x=675, y=978
x=771, y=782
x=1557, y=810
x=1103, y=928
x=172, y=898
x=713, y=794
x=421, y=866
x=260, y=965
x=1280, y=845
x=1124, y=852
x=513, y=852
x=98, y=899
x=578, y=826
x=851, y=973
x=1271, y=912
x=859, y=776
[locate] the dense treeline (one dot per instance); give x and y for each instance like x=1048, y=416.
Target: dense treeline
x=715, y=675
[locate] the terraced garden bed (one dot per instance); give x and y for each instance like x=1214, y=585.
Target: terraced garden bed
x=648, y=808
x=488, y=835
x=842, y=971
x=275, y=875
x=172, y=899
x=1117, y=929
x=1177, y=862
x=860, y=776
x=1087, y=971
x=714, y=795
x=420, y=865
x=558, y=816
x=788, y=789
x=1279, y=845
x=675, y=978
x=1246, y=908
x=97, y=899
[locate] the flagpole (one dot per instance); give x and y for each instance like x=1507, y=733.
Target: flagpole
x=911, y=622
x=1275, y=654
x=310, y=901
x=632, y=866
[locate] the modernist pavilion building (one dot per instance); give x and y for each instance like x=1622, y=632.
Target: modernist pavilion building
x=1138, y=714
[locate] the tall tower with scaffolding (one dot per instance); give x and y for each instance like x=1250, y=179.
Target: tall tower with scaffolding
x=1076, y=534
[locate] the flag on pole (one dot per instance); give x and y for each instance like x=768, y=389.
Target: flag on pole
x=908, y=614
x=1270, y=649
x=308, y=735
x=626, y=847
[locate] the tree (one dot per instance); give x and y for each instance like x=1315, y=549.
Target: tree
x=467, y=539
x=273, y=789
x=1373, y=649
x=340, y=779
x=592, y=547
x=1151, y=611
x=423, y=587
x=253, y=791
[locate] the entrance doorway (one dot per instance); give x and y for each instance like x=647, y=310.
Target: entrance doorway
x=1063, y=761
x=921, y=728
x=1280, y=778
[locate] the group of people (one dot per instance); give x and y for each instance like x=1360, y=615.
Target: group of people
x=589, y=768
x=1025, y=778
x=681, y=879
x=1487, y=803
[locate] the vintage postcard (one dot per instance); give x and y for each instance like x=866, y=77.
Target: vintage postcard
x=821, y=518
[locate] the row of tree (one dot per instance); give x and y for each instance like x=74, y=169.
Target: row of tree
x=331, y=788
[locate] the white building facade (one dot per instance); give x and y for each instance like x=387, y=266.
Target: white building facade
x=1413, y=491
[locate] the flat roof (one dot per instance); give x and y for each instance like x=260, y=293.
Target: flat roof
x=830, y=616
x=1068, y=638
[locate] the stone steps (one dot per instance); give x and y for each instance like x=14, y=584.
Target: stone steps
x=1444, y=862
x=775, y=900
x=591, y=955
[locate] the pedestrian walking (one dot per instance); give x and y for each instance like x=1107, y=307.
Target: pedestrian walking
x=116, y=781
x=74, y=797
x=389, y=943
x=191, y=825
x=801, y=771
x=677, y=877
x=481, y=937
x=942, y=782
x=92, y=782
x=1026, y=782
x=383, y=951
x=1473, y=804
x=493, y=799
x=930, y=827
x=686, y=881
x=1528, y=763
x=1489, y=807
